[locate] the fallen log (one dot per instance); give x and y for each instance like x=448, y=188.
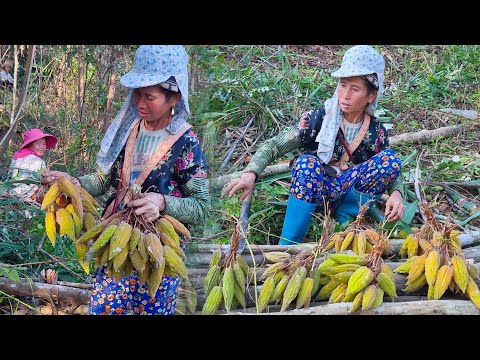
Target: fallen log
x=64, y=294
x=424, y=136
x=431, y=307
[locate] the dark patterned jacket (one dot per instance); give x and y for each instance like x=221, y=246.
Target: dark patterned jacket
x=181, y=176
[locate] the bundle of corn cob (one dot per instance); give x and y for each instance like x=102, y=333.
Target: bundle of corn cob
x=442, y=266
x=70, y=209
x=361, y=279
x=127, y=242
x=291, y=278
x=225, y=281
x=357, y=237
x=419, y=240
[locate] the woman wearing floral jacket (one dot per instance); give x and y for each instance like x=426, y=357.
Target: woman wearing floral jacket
x=149, y=145
x=347, y=159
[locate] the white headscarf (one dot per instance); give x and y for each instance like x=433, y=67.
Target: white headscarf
x=358, y=60
x=154, y=64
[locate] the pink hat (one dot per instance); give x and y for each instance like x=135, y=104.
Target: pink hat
x=31, y=135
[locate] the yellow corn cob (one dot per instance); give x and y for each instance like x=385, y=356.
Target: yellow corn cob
x=155, y=278
x=212, y=279
x=386, y=284
x=360, y=279
x=134, y=238
x=384, y=268
x=178, y=226
x=369, y=297
x=174, y=262
x=357, y=302
x=163, y=225
x=432, y=264
x=228, y=288
x=444, y=276
x=51, y=195
x=305, y=293
x=280, y=289
x=362, y=243
x=154, y=247
x=213, y=301
x=348, y=259
x=379, y=299
x=67, y=225
x=417, y=269
x=460, y=272
x=120, y=239
x=338, y=294
x=50, y=226
x=167, y=240
x=277, y=256
x=348, y=240
x=326, y=290
x=266, y=293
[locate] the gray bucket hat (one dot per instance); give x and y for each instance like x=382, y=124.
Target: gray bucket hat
x=360, y=60
x=155, y=64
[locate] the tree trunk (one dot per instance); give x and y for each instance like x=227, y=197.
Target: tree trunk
x=15, y=116
x=81, y=82
x=111, y=93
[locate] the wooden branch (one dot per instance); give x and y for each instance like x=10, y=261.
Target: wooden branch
x=431, y=307
x=424, y=136
x=45, y=291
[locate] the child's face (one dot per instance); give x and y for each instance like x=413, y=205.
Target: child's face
x=39, y=146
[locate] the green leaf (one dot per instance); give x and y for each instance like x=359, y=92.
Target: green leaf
x=409, y=212
x=409, y=158
x=12, y=274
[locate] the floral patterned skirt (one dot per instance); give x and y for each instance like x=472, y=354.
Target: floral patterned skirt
x=128, y=297
x=374, y=176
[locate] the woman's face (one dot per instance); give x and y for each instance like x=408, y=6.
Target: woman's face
x=39, y=146
x=353, y=94
x=152, y=104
